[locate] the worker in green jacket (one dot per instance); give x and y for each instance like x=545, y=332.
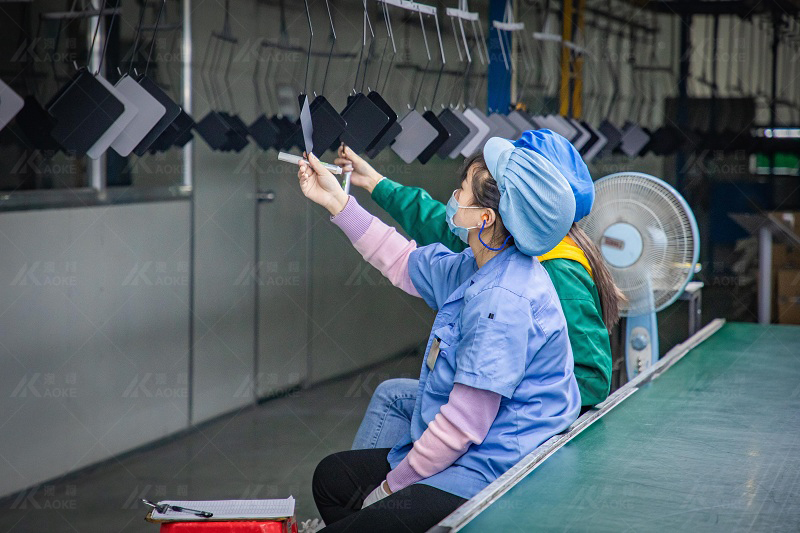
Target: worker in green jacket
x=583, y=283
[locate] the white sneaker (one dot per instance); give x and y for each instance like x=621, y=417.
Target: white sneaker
x=310, y=526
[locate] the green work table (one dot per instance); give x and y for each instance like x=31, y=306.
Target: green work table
x=710, y=444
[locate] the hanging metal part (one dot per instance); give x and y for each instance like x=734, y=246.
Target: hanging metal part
x=389, y=132
x=443, y=132
x=263, y=130
x=417, y=133
x=320, y=124
x=366, y=116
x=506, y=25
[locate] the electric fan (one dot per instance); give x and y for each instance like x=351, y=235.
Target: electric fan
x=648, y=237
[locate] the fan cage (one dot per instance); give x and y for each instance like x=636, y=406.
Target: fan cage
x=670, y=238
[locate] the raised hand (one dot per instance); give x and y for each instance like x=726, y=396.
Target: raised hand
x=320, y=186
x=363, y=175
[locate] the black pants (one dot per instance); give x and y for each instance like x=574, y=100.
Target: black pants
x=343, y=480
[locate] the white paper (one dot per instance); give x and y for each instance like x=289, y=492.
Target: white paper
x=228, y=509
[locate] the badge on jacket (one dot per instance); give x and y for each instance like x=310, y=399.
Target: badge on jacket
x=433, y=353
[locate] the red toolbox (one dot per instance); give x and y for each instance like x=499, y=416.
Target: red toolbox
x=239, y=526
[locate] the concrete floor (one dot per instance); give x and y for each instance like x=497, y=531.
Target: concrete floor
x=267, y=451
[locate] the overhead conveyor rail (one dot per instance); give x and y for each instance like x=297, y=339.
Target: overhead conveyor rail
x=706, y=440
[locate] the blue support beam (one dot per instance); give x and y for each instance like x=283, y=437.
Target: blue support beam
x=499, y=83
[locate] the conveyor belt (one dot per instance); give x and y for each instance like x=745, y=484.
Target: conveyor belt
x=712, y=444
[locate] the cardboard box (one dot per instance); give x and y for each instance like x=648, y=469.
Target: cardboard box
x=788, y=296
x=784, y=256
x=790, y=218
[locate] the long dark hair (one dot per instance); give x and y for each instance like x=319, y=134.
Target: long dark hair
x=486, y=194
x=610, y=295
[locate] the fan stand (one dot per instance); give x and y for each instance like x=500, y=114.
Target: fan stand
x=622, y=201
x=621, y=248
x=641, y=343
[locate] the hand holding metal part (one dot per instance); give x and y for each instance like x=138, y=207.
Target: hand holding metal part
x=320, y=186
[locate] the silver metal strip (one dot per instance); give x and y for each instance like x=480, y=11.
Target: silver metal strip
x=186, y=39
x=459, y=13
x=97, y=167
x=676, y=353
x=508, y=26
x=467, y=512
x=411, y=6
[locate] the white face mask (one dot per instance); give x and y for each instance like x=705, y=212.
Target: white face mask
x=452, y=208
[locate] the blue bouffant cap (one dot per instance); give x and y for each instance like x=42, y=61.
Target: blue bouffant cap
x=567, y=159
x=536, y=201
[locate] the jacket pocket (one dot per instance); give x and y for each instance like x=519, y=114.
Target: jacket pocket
x=440, y=379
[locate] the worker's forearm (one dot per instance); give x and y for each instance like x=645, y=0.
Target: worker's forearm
x=463, y=421
x=379, y=244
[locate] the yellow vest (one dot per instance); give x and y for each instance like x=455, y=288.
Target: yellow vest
x=567, y=249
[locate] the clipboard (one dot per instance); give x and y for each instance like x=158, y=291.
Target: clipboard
x=289, y=520
x=275, y=510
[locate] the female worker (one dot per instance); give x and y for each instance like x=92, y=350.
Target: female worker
x=584, y=286
x=497, y=377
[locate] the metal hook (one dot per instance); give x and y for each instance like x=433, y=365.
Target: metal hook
x=135, y=49
x=367, y=61
x=332, y=38
x=228, y=75
x=204, y=75
x=424, y=35
x=455, y=39
x=444, y=61
x=428, y=52
x=380, y=65
x=256, y=85
x=390, y=32
x=215, y=59
x=155, y=33
x=94, y=38
x=364, y=19
x=105, y=43
x=310, y=40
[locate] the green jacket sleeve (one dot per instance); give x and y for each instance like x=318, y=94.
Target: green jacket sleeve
x=422, y=217
x=588, y=336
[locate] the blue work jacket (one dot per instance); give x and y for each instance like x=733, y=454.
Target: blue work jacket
x=500, y=328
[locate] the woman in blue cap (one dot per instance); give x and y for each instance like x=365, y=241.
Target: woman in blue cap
x=586, y=290
x=497, y=377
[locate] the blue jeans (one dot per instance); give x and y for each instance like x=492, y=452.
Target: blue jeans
x=388, y=417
